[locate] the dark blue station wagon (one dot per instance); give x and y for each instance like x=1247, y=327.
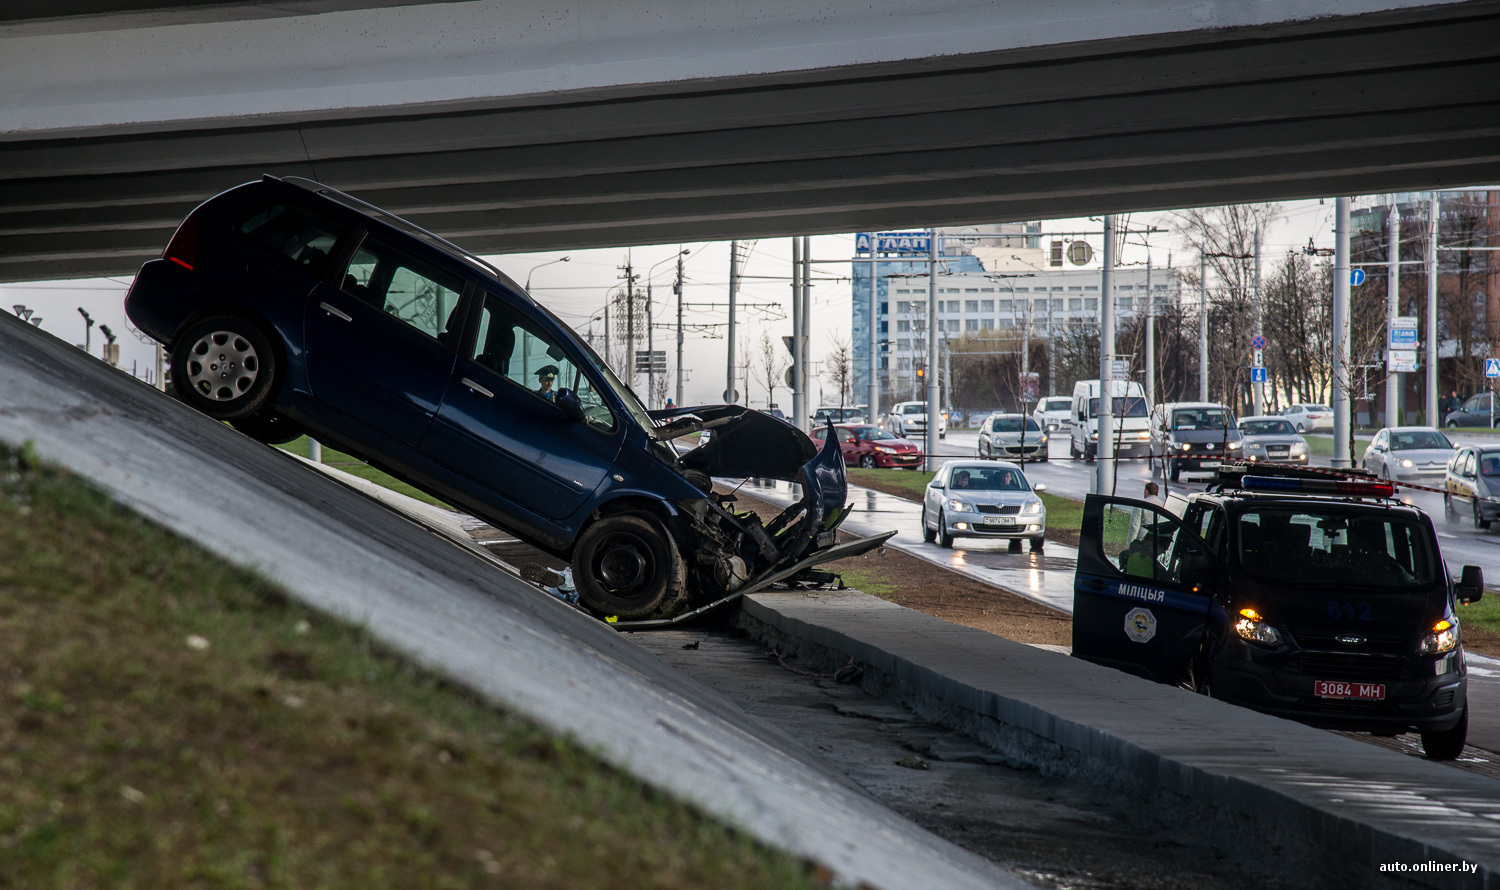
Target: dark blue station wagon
x=289, y=307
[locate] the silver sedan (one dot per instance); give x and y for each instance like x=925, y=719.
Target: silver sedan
x=989, y=499
x=1272, y=439
x=1416, y=454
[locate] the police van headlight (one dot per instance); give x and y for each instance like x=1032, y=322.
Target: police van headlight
x=1444, y=638
x=958, y=506
x=1251, y=627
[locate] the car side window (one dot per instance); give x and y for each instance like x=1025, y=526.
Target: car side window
x=517, y=348
x=1469, y=461
x=302, y=235
x=848, y=437
x=1147, y=543
x=408, y=287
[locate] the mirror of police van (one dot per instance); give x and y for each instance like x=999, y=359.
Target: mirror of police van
x=1470, y=586
x=567, y=400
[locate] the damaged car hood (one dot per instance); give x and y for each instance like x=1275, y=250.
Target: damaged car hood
x=747, y=442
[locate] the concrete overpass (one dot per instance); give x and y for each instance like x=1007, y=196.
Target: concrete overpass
x=514, y=125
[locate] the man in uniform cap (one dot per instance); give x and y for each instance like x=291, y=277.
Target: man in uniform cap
x=544, y=376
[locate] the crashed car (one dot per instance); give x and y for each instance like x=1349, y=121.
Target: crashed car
x=290, y=307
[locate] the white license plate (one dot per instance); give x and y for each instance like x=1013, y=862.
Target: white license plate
x=999, y=520
x=1343, y=690
x=1208, y=465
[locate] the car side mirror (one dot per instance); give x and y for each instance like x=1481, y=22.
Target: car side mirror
x=567, y=400
x=1470, y=587
x=1039, y=487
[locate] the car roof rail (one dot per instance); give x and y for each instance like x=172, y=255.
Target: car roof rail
x=386, y=216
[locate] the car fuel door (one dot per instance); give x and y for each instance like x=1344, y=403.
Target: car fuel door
x=1142, y=588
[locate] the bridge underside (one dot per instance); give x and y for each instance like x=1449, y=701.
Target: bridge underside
x=1345, y=105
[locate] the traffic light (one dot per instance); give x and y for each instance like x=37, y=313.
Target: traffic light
x=921, y=372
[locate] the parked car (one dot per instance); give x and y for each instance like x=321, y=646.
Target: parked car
x=1320, y=600
x=992, y=499
x=1012, y=436
x=1052, y=412
x=1271, y=439
x=870, y=446
x=838, y=415
x=1475, y=411
x=1193, y=436
x=1471, y=485
x=289, y=306
x=1408, y=454
x=1309, y=418
x=909, y=421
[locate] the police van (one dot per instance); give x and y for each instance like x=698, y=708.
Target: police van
x=1316, y=598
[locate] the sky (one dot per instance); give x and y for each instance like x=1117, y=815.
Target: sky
x=577, y=289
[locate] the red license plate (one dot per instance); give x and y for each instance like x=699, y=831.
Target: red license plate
x=1341, y=689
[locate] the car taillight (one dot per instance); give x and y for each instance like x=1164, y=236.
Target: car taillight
x=183, y=248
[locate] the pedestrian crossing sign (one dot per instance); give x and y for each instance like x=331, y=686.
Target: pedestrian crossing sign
x=1492, y=367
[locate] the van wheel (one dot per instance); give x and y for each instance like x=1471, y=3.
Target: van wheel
x=1449, y=743
x=1072, y=450
x=626, y=564
x=225, y=367
x=271, y=428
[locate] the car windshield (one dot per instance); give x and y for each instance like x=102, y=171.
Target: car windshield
x=913, y=409
x=1122, y=406
x=872, y=433
x=623, y=392
x=1412, y=440
x=1057, y=405
x=1317, y=547
x=1013, y=425
x=1267, y=428
x=986, y=479
x=1200, y=419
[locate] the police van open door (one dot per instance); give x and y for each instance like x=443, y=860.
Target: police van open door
x=1141, y=591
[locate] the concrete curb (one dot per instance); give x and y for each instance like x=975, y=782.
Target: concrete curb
x=1308, y=792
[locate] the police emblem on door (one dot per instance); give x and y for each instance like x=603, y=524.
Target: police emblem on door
x=1140, y=625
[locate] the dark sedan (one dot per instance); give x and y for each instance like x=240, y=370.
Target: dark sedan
x=1475, y=411
x=288, y=306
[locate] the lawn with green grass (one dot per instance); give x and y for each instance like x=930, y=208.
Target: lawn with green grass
x=356, y=467
x=170, y=721
x=1323, y=446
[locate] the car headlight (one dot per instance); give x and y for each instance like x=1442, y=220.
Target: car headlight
x=1235, y=446
x=1094, y=435
x=1035, y=506
x=1406, y=462
x=1186, y=446
x=885, y=449
x=1444, y=638
x=1251, y=627
x=1143, y=436
x=958, y=506
x=1299, y=448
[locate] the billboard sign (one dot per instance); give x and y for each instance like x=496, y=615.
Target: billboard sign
x=905, y=243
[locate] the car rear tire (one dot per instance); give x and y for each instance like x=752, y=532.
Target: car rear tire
x=1301, y=428
x=225, y=367
x=1449, y=743
x=929, y=535
x=626, y=564
x=270, y=428
x=867, y=461
x=944, y=539
x=1452, y=425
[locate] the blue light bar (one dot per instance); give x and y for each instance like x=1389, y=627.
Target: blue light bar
x=1319, y=486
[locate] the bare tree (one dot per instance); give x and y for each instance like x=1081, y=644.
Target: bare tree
x=838, y=368
x=771, y=363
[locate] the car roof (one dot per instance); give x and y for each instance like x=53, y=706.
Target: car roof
x=971, y=463
x=1175, y=405
x=1263, y=417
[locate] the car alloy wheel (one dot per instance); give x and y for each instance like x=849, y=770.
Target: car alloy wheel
x=929, y=534
x=944, y=539
x=225, y=367
x=867, y=461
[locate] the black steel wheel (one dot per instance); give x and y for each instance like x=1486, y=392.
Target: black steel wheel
x=225, y=367
x=628, y=565
x=1449, y=743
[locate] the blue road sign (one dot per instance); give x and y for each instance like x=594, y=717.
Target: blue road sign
x=1492, y=367
x=1258, y=342
x=1356, y=277
x=1257, y=375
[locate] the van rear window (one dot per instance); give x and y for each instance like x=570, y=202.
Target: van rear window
x=304, y=236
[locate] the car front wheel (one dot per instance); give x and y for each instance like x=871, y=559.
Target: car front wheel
x=626, y=564
x=867, y=461
x=944, y=539
x=225, y=367
x=1449, y=743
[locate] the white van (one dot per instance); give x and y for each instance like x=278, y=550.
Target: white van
x=1132, y=419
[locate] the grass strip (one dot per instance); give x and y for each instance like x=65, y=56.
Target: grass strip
x=170, y=721
x=356, y=467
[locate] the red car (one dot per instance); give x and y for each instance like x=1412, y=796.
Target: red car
x=869, y=446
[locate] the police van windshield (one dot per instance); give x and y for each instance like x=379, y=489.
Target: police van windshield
x=1122, y=407
x=1316, y=547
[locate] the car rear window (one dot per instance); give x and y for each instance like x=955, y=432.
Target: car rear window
x=302, y=235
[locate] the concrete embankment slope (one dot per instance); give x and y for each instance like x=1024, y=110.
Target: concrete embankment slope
x=1262, y=778
x=455, y=612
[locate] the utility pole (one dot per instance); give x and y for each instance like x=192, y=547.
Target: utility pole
x=806, y=342
x=1050, y=390
x=930, y=441
x=798, y=371
x=1203, y=320
x=1392, y=309
x=1150, y=336
x=1257, y=390
x=873, y=384
x=677, y=289
x=730, y=396
x=629, y=322
x=650, y=350
x=1432, y=324
x=1104, y=452
x=1342, y=421
x=609, y=299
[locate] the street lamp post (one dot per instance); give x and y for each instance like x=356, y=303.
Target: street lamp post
x=540, y=265
x=88, y=330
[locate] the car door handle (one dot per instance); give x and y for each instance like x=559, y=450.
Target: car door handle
x=477, y=388
x=336, y=312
